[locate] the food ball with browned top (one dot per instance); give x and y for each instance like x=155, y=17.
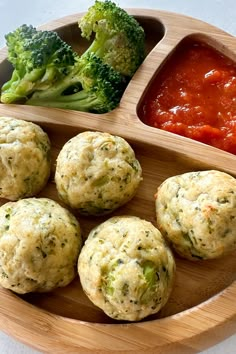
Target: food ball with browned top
x=25, y=161
x=196, y=212
x=97, y=172
x=126, y=268
x=39, y=245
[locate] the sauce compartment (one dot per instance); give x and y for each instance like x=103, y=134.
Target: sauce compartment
x=193, y=94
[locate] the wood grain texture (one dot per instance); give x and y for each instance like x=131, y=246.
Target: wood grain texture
x=201, y=310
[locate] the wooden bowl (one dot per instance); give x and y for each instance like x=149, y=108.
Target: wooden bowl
x=201, y=310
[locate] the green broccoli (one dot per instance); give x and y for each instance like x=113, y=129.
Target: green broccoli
x=47, y=72
x=119, y=39
x=39, y=58
x=91, y=86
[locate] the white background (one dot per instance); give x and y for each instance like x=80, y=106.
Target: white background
x=14, y=13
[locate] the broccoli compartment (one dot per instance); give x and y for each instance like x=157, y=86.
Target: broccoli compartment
x=48, y=72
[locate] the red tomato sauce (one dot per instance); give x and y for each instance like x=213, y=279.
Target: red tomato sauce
x=194, y=95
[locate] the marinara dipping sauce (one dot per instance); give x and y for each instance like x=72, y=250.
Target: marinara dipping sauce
x=194, y=95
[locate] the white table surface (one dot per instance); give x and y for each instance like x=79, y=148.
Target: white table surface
x=14, y=13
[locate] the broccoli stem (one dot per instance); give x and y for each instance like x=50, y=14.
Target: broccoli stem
x=77, y=101
x=97, y=48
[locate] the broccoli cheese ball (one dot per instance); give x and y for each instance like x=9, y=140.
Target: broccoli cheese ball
x=196, y=212
x=24, y=158
x=39, y=245
x=97, y=173
x=126, y=268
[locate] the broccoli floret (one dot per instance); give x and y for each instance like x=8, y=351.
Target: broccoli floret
x=39, y=58
x=119, y=39
x=92, y=86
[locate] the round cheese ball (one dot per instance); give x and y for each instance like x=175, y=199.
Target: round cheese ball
x=97, y=172
x=196, y=212
x=24, y=158
x=39, y=245
x=126, y=268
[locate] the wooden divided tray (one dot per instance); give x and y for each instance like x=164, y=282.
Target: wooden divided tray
x=201, y=310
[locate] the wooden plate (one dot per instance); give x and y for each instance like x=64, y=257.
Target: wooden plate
x=201, y=310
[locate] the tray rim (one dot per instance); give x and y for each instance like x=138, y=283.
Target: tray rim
x=55, y=325
x=225, y=299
